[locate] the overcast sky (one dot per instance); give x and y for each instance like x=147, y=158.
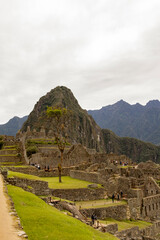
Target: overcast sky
x=103, y=50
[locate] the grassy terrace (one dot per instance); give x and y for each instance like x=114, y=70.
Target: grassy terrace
x=11, y=146
x=122, y=225
x=53, y=182
x=8, y=155
x=99, y=203
x=41, y=221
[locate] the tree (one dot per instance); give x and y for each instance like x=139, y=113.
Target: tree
x=1, y=142
x=60, y=118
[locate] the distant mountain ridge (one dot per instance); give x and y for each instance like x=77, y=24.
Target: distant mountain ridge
x=83, y=129
x=126, y=120
x=12, y=126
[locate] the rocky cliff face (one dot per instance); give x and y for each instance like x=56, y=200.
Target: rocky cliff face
x=82, y=128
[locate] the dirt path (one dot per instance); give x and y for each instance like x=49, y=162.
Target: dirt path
x=7, y=229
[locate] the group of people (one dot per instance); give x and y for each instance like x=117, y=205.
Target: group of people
x=36, y=165
x=117, y=196
x=47, y=168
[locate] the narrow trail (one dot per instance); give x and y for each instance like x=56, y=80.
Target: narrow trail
x=7, y=229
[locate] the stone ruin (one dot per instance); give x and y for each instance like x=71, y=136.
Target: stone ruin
x=116, y=173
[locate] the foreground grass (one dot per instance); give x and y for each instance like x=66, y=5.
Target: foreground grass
x=53, y=182
x=41, y=221
x=122, y=225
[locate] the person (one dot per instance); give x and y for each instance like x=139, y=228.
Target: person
x=113, y=198
x=95, y=219
x=92, y=218
x=118, y=196
x=121, y=194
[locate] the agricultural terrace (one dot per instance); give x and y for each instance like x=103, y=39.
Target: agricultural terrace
x=53, y=182
x=41, y=221
x=126, y=224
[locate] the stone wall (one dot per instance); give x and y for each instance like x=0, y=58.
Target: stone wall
x=151, y=206
x=35, y=186
x=118, y=184
x=8, y=152
x=129, y=234
x=151, y=187
x=134, y=208
x=118, y=212
x=86, y=176
x=81, y=194
x=148, y=233
x=9, y=159
x=41, y=173
x=151, y=231
x=50, y=155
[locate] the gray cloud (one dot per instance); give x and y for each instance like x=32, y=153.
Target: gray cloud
x=102, y=50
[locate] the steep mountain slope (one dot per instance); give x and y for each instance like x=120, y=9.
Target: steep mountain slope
x=135, y=149
x=142, y=122
x=82, y=129
x=12, y=126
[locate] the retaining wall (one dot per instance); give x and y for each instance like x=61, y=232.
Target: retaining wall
x=86, y=176
x=118, y=212
x=81, y=194
x=35, y=186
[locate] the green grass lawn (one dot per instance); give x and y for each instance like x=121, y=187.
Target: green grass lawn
x=67, y=183
x=41, y=221
x=53, y=182
x=99, y=203
x=122, y=225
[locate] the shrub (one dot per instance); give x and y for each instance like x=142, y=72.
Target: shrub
x=31, y=150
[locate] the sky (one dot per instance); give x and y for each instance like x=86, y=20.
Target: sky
x=104, y=51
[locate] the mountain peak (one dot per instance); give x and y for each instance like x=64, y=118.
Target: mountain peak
x=153, y=103
x=82, y=128
x=122, y=102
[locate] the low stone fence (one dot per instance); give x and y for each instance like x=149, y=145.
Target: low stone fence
x=86, y=176
x=131, y=233
x=118, y=212
x=8, y=152
x=10, y=159
x=152, y=230
x=35, y=186
x=81, y=194
x=41, y=173
x=148, y=233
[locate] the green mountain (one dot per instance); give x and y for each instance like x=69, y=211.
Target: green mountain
x=137, y=121
x=84, y=130
x=12, y=126
x=135, y=149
